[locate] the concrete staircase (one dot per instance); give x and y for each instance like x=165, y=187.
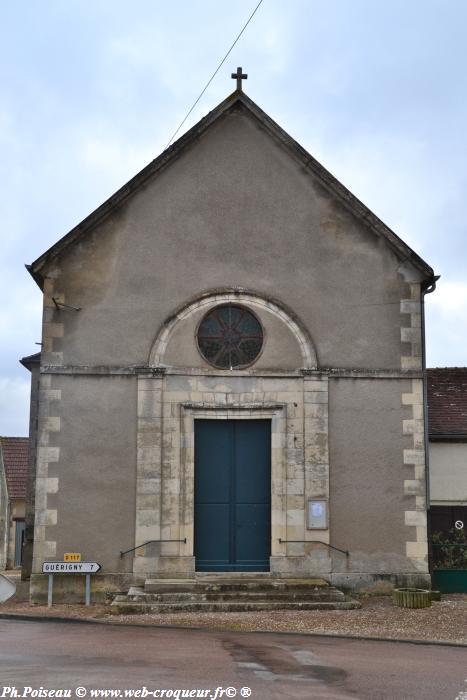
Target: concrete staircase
x=231, y=593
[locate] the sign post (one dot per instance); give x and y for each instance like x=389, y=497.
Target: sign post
x=88, y=590
x=50, y=590
x=69, y=567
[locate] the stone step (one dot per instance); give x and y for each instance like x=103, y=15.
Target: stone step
x=229, y=583
x=331, y=594
x=132, y=608
x=231, y=593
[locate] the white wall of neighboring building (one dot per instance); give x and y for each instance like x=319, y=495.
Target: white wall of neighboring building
x=448, y=473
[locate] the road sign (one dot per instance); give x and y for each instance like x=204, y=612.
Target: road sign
x=72, y=556
x=70, y=567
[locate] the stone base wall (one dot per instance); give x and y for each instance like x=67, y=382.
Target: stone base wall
x=378, y=584
x=70, y=589
x=164, y=567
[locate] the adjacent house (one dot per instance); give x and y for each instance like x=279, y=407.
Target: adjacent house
x=447, y=410
x=4, y=516
x=13, y=477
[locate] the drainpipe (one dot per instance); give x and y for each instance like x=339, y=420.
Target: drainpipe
x=428, y=286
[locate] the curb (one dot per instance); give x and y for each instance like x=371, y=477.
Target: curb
x=115, y=623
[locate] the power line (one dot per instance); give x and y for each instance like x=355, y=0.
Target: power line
x=214, y=74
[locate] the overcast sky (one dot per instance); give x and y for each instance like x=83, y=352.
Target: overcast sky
x=92, y=91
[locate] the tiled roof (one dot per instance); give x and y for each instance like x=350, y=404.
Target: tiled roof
x=447, y=401
x=15, y=460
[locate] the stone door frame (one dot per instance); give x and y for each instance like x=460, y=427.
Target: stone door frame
x=297, y=406
x=274, y=413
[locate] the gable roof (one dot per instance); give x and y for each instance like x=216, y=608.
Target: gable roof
x=237, y=100
x=15, y=460
x=31, y=360
x=447, y=402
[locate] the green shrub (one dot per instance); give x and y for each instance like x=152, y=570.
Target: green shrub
x=449, y=549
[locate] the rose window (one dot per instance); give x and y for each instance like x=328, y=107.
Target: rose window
x=230, y=337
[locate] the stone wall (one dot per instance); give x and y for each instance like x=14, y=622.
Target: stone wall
x=167, y=408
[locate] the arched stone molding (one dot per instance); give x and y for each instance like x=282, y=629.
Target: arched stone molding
x=244, y=296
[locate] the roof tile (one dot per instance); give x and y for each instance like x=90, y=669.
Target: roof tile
x=15, y=460
x=447, y=401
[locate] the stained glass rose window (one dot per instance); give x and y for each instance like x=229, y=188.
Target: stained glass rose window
x=230, y=337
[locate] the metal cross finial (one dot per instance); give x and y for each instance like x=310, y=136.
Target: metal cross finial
x=240, y=76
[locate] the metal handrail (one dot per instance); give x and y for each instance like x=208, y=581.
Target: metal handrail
x=344, y=551
x=133, y=549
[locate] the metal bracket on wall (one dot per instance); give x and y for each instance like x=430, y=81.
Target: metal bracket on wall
x=59, y=305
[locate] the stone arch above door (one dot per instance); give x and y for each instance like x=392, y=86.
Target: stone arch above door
x=287, y=343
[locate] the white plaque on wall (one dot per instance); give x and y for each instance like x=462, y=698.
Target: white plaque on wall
x=317, y=514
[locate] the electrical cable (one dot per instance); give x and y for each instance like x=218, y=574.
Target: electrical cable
x=214, y=74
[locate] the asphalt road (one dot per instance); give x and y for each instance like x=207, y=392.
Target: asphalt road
x=67, y=655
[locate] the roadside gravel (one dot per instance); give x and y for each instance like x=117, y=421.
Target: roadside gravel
x=444, y=621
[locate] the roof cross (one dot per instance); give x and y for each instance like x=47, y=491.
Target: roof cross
x=239, y=76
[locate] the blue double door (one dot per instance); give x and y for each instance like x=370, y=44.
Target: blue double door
x=232, y=495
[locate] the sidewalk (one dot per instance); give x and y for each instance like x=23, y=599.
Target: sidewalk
x=445, y=621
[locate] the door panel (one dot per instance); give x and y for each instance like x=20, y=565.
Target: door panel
x=213, y=534
x=252, y=542
x=232, y=495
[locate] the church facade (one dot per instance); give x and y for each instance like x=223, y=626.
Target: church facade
x=231, y=374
